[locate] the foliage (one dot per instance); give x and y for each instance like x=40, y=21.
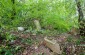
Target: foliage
x=8, y=50
x=48, y=12
x=28, y=41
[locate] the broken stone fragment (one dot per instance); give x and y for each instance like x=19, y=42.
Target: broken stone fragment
x=20, y=28
x=53, y=45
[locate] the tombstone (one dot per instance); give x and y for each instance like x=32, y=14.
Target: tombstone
x=37, y=24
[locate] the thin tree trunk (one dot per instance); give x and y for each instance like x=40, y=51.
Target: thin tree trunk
x=13, y=9
x=80, y=19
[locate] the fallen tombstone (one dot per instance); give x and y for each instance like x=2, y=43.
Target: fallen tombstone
x=53, y=45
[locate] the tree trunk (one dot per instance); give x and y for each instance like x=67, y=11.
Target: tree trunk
x=81, y=19
x=13, y=9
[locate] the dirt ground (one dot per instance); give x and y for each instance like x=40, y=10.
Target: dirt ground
x=39, y=48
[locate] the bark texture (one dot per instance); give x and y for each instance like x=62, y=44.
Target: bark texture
x=81, y=19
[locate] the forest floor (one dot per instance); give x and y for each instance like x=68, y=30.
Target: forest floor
x=33, y=44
